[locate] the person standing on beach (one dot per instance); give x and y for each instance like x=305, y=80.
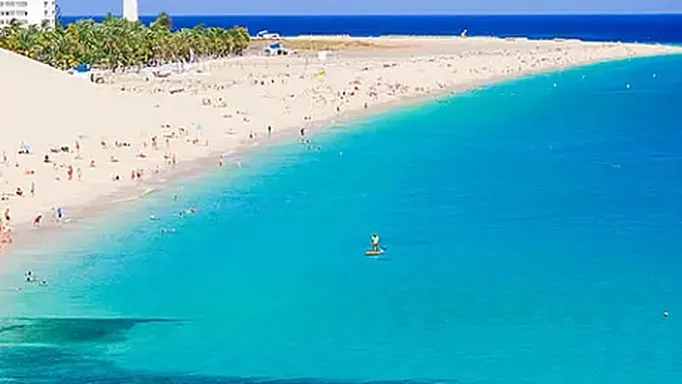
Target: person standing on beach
x=36, y=221
x=269, y=130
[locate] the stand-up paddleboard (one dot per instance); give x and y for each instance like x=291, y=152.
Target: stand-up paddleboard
x=374, y=253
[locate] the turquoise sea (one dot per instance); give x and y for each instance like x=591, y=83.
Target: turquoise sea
x=533, y=235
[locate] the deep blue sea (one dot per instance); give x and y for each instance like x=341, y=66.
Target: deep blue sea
x=627, y=28
x=533, y=235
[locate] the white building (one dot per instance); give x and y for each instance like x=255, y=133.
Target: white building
x=28, y=12
x=129, y=10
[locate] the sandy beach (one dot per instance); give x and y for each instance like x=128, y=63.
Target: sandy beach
x=68, y=143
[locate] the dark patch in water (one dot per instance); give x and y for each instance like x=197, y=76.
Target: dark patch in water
x=56, y=365
x=63, y=331
x=47, y=365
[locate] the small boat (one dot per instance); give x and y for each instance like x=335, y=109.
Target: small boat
x=374, y=253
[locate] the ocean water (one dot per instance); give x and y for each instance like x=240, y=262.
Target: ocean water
x=627, y=28
x=533, y=235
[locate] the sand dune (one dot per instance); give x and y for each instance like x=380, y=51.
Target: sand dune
x=50, y=107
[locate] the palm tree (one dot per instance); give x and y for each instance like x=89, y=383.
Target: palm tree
x=120, y=44
x=163, y=20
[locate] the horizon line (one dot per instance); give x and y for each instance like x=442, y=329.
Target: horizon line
x=676, y=13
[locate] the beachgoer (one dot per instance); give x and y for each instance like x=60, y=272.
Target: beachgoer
x=375, y=242
x=269, y=130
x=59, y=214
x=38, y=218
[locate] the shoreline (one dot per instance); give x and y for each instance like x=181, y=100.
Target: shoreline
x=201, y=165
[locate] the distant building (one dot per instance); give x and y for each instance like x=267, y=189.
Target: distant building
x=28, y=12
x=130, y=10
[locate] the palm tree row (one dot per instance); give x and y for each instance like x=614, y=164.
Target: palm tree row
x=118, y=43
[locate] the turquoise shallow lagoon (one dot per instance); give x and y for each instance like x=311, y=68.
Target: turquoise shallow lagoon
x=533, y=235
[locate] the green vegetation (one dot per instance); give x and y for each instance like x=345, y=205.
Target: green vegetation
x=118, y=44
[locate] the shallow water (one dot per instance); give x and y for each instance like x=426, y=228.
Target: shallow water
x=532, y=235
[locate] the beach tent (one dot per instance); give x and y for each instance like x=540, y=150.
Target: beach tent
x=276, y=49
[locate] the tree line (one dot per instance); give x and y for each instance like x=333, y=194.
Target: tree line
x=117, y=43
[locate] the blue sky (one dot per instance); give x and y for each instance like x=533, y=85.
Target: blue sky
x=260, y=7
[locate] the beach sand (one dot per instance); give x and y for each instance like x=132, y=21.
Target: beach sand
x=118, y=140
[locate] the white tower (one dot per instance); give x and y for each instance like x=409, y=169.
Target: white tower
x=130, y=10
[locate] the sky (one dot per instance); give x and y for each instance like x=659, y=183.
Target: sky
x=333, y=7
